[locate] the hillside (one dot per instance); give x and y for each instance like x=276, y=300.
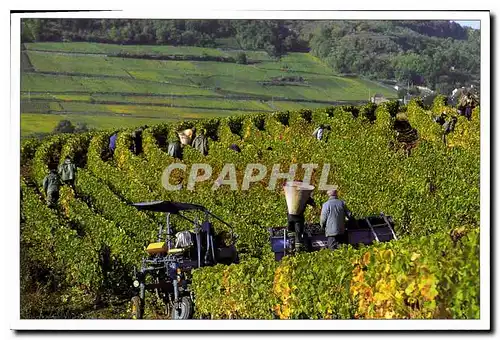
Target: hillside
x=106, y=85
x=438, y=53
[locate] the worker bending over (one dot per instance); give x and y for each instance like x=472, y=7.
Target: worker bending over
x=51, y=184
x=449, y=127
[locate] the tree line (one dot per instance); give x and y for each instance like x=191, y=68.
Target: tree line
x=439, y=54
x=274, y=36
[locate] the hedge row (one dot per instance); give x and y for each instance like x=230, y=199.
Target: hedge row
x=434, y=190
x=101, y=197
x=136, y=223
x=178, y=57
x=76, y=147
x=130, y=229
x=98, y=195
x=467, y=134
x=50, y=249
x=28, y=149
x=91, y=229
x=135, y=167
x=47, y=155
x=411, y=179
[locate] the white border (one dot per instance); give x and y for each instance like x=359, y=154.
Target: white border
x=481, y=324
x=292, y=325
x=15, y=139
x=485, y=187
x=197, y=13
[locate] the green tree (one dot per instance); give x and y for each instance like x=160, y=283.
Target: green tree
x=64, y=126
x=241, y=58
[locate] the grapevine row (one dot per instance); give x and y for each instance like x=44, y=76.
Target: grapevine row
x=427, y=277
x=50, y=240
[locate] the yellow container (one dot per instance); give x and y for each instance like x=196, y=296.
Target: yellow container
x=157, y=248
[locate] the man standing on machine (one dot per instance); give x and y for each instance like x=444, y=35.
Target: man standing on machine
x=333, y=215
x=296, y=225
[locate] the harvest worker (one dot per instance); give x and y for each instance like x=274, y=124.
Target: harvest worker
x=333, y=215
x=441, y=118
x=296, y=225
x=112, y=142
x=51, y=184
x=235, y=147
x=175, y=148
x=449, y=126
x=200, y=143
x=137, y=141
x=318, y=133
x=467, y=103
x=468, y=108
x=67, y=172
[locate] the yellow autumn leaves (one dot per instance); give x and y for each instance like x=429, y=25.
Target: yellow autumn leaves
x=282, y=290
x=382, y=292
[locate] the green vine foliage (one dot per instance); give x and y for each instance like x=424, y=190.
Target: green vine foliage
x=112, y=250
x=432, y=194
x=28, y=149
x=135, y=223
x=47, y=156
x=49, y=240
x=439, y=104
x=131, y=191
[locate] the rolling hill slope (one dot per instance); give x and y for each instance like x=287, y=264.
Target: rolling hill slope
x=101, y=84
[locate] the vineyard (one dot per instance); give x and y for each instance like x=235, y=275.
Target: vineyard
x=81, y=254
x=104, y=85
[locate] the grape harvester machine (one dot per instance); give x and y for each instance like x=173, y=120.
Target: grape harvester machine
x=167, y=268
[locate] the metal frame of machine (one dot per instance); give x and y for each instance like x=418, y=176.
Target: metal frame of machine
x=170, y=267
x=378, y=228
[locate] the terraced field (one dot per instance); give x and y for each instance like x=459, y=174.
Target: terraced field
x=85, y=47
x=89, y=82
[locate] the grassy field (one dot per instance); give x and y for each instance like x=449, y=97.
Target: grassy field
x=79, y=81
x=35, y=122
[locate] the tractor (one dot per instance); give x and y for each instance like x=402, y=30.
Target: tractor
x=166, y=270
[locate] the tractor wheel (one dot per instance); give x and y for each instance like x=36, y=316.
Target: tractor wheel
x=185, y=309
x=137, y=309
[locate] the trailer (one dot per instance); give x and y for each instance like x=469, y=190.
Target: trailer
x=377, y=228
